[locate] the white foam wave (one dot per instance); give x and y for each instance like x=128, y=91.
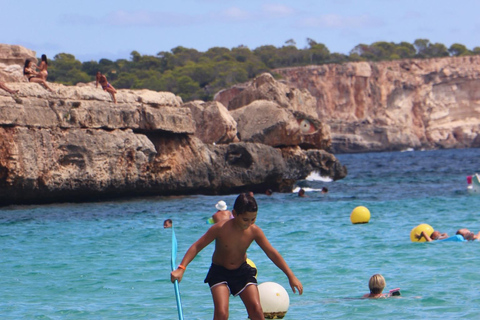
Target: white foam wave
x=315, y=176
x=306, y=190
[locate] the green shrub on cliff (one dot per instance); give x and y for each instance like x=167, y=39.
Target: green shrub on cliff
x=192, y=74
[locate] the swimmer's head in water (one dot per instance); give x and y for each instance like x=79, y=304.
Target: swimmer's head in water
x=467, y=234
x=435, y=235
x=376, y=284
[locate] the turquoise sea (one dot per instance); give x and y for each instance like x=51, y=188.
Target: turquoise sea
x=111, y=260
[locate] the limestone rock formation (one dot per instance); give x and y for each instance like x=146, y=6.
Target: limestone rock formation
x=75, y=145
x=379, y=106
x=213, y=122
x=12, y=59
x=265, y=87
x=270, y=112
x=266, y=122
x=79, y=106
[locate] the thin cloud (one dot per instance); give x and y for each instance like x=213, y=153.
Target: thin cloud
x=277, y=10
x=334, y=21
x=122, y=18
x=77, y=19
x=236, y=14
x=147, y=19
x=138, y=18
x=40, y=46
x=412, y=15
x=266, y=12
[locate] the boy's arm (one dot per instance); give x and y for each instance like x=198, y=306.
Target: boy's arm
x=278, y=260
x=194, y=249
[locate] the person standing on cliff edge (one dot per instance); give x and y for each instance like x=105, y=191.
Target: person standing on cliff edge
x=100, y=78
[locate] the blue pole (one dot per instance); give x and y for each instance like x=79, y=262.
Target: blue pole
x=175, y=284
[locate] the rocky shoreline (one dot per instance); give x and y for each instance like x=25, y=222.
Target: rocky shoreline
x=73, y=144
x=395, y=105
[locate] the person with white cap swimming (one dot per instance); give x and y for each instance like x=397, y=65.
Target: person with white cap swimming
x=222, y=213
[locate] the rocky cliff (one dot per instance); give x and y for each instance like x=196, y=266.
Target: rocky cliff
x=380, y=106
x=73, y=144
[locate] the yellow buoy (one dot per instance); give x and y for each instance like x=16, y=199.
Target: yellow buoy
x=418, y=230
x=360, y=215
x=250, y=262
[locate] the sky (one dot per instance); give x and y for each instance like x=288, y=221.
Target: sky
x=92, y=30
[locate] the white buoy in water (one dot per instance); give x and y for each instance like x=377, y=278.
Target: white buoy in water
x=274, y=300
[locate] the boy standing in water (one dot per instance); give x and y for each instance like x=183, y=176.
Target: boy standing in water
x=229, y=272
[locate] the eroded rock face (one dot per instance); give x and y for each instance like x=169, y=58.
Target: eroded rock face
x=265, y=87
x=266, y=122
x=272, y=113
x=76, y=145
x=379, y=106
x=85, y=106
x=12, y=60
x=213, y=122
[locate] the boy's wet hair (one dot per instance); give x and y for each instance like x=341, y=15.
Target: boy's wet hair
x=245, y=203
x=376, y=284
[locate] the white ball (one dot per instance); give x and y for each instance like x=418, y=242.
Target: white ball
x=274, y=300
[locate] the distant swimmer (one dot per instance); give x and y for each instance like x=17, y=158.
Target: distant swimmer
x=167, y=223
x=436, y=235
x=222, y=213
x=376, y=284
x=301, y=193
x=324, y=190
x=468, y=235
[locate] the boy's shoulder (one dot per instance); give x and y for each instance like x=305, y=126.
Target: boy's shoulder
x=222, y=226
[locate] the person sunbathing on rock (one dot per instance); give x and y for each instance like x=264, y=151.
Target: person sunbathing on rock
x=106, y=86
x=32, y=75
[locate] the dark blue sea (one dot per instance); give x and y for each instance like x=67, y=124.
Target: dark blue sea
x=111, y=260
